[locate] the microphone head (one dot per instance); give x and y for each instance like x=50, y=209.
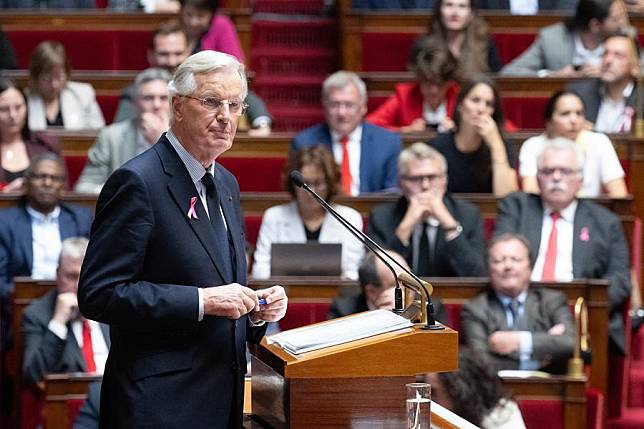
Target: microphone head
x=297, y=178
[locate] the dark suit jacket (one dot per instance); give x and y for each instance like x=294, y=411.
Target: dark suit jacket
x=464, y=256
x=89, y=413
x=379, y=151
x=45, y=353
x=544, y=308
x=589, y=91
x=543, y=5
x=603, y=255
x=145, y=261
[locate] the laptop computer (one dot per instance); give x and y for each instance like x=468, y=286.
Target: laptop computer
x=306, y=259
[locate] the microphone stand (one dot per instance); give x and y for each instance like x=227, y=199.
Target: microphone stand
x=413, y=282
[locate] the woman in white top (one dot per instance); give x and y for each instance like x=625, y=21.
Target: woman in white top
x=304, y=219
x=475, y=393
x=603, y=174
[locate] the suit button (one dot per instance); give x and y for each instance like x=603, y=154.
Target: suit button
x=236, y=323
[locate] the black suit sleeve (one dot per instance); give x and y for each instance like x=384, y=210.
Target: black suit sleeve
x=107, y=293
x=618, y=271
x=494, y=63
x=466, y=253
x=7, y=56
x=43, y=349
x=507, y=219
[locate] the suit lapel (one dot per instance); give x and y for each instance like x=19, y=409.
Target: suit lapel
x=65, y=225
x=534, y=225
x=105, y=329
x=24, y=237
x=581, y=247
x=182, y=190
x=497, y=312
x=73, y=350
x=227, y=202
x=366, y=163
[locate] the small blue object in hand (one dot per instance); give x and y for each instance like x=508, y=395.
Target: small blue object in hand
x=262, y=301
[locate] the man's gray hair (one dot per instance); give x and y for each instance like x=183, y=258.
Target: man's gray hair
x=419, y=150
x=341, y=79
x=563, y=144
x=149, y=75
x=184, y=81
x=74, y=248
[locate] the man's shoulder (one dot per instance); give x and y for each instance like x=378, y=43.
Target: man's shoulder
x=597, y=211
x=585, y=86
x=380, y=132
x=76, y=210
x=546, y=295
x=522, y=199
x=41, y=307
x=312, y=135
x=10, y=213
x=480, y=302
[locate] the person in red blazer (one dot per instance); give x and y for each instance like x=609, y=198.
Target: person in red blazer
x=427, y=103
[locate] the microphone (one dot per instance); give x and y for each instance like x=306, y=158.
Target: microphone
x=408, y=278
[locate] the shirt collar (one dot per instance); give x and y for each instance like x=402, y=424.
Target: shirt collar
x=335, y=137
x=628, y=90
x=567, y=214
x=194, y=167
x=505, y=300
x=41, y=217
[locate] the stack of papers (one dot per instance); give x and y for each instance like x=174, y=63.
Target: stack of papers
x=340, y=331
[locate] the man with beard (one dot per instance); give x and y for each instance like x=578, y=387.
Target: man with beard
x=570, y=238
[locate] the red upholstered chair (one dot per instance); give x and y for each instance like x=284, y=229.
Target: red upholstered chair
x=304, y=313
x=252, y=224
x=386, y=51
x=594, y=408
x=75, y=165
x=256, y=174
x=73, y=407
x=511, y=45
x=543, y=413
x=454, y=315
x=521, y=111
x=108, y=105
x=32, y=408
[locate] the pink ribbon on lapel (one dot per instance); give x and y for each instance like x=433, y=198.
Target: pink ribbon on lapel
x=584, y=235
x=192, y=213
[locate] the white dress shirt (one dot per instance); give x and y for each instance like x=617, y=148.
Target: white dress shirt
x=565, y=232
x=432, y=116
x=353, y=146
x=612, y=117
x=99, y=345
x=46, y=243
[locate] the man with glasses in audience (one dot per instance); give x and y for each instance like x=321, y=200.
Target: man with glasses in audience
x=513, y=325
x=570, y=238
x=31, y=234
x=122, y=141
x=437, y=234
x=366, y=153
x=166, y=268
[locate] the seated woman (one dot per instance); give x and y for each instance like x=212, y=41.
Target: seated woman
x=427, y=103
x=475, y=393
x=603, y=174
x=17, y=144
x=207, y=30
x=304, y=219
x=478, y=159
x=457, y=26
x=55, y=101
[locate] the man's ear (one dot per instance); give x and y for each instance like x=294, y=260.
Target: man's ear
x=177, y=108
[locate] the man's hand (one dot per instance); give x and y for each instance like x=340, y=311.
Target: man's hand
x=566, y=72
x=275, y=307
x=386, y=299
x=153, y=125
x=590, y=70
x=558, y=329
x=66, y=307
x=504, y=342
x=231, y=301
x=416, y=126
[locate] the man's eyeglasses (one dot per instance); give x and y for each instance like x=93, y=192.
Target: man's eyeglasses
x=235, y=107
x=567, y=172
x=337, y=105
x=417, y=180
x=42, y=177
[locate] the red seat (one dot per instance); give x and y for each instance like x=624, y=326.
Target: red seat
x=108, y=105
x=304, y=313
x=252, y=224
x=75, y=165
x=542, y=413
x=256, y=174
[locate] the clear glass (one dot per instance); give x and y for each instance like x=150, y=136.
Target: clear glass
x=419, y=396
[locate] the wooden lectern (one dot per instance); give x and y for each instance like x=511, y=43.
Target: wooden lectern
x=352, y=385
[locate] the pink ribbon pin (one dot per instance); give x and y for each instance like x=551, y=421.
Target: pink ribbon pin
x=584, y=235
x=192, y=213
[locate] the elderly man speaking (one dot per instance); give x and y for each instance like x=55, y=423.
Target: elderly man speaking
x=166, y=269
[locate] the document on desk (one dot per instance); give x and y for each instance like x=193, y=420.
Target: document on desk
x=340, y=331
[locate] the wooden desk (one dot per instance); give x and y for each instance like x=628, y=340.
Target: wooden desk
x=59, y=390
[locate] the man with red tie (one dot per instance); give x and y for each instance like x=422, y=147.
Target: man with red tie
x=57, y=338
x=570, y=238
x=366, y=153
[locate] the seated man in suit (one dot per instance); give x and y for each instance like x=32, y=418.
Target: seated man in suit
x=122, y=141
x=513, y=325
x=377, y=287
x=366, y=153
x=610, y=99
x=57, y=338
x=570, y=238
x=436, y=233
x=573, y=48
x=169, y=49
x=32, y=232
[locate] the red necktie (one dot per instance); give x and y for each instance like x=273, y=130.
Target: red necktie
x=346, y=170
x=548, y=274
x=88, y=350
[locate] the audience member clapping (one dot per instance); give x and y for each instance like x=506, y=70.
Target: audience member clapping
x=207, y=30
x=458, y=27
x=18, y=144
x=478, y=158
x=53, y=99
x=304, y=219
x=475, y=392
x=573, y=48
x=602, y=172
x=427, y=103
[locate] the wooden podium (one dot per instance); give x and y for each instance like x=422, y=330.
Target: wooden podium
x=357, y=384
